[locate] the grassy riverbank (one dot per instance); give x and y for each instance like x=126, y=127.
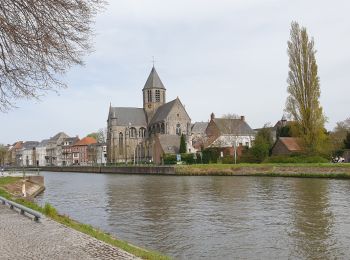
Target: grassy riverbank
x=312, y=170
x=51, y=212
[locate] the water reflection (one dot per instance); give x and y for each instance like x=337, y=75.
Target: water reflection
x=312, y=219
x=212, y=217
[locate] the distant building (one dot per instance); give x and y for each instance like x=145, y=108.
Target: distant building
x=229, y=133
x=28, y=153
x=54, y=149
x=135, y=131
x=286, y=146
x=66, y=156
x=41, y=153
x=80, y=152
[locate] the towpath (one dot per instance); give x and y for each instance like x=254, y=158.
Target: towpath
x=22, y=238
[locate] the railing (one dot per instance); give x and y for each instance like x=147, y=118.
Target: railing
x=22, y=209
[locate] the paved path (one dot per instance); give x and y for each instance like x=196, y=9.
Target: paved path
x=22, y=238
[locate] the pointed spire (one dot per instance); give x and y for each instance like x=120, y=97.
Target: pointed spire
x=153, y=80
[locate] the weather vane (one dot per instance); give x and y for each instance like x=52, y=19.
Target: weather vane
x=153, y=61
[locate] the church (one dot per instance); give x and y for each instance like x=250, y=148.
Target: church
x=138, y=135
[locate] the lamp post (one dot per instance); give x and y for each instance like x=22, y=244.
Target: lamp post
x=235, y=150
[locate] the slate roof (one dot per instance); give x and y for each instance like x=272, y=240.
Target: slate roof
x=233, y=126
x=125, y=115
x=153, y=81
x=291, y=143
x=30, y=144
x=199, y=127
x=162, y=112
x=71, y=140
x=43, y=143
x=170, y=143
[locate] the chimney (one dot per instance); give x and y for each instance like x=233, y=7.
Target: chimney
x=243, y=118
x=212, y=116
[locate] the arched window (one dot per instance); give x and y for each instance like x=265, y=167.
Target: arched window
x=162, y=128
x=164, y=96
x=178, y=129
x=142, y=132
x=157, y=95
x=133, y=132
x=149, y=93
x=121, y=142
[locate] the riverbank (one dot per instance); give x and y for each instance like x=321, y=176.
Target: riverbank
x=99, y=235
x=273, y=170
x=315, y=170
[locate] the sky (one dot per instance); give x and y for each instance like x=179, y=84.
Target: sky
x=222, y=56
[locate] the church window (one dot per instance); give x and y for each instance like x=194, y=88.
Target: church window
x=178, y=129
x=157, y=95
x=121, y=142
x=162, y=128
x=149, y=93
x=164, y=96
x=132, y=132
x=142, y=132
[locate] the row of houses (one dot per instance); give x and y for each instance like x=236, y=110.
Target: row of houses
x=59, y=150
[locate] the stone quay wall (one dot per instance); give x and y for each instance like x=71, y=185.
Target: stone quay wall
x=161, y=170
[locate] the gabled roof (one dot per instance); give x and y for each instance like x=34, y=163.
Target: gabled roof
x=58, y=136
x=86, y=141
x=233, y=126
x=162, y=112
x=17, y=145
x=170, y=143
x=291, y=143
x=128, y=116
x=70, y=140
x=199, y=127
x=153, y=81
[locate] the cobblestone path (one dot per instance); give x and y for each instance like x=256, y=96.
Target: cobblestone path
x=22, y=238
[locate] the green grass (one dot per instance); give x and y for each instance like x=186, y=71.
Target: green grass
x=52, y=213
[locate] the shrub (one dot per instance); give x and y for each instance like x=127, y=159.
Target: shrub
x=296, y=159
x=187, y=158
x=211, y=155
x=169, y=159
x=49, y=210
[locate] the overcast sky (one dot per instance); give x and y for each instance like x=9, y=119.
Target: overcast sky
x=222, y=56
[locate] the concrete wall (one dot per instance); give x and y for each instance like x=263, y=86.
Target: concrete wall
x=122, y=169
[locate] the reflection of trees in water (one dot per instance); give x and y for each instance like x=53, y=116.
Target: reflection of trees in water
x=312, y=220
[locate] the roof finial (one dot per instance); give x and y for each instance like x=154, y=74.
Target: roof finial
x=153, y=61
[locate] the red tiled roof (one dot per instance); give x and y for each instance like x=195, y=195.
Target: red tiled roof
x=18, y=145
x=86, y=141
x=291, y=143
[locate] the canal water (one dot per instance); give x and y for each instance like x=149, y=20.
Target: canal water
x=212, y=217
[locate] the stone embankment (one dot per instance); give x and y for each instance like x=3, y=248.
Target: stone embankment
x=23, y=238
x=120, y=169
x=34, y=185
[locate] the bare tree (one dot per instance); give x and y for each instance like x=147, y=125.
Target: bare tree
x=39, y=41
x=230, y=116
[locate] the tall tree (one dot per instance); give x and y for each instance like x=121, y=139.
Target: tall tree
x=347, y=141
x=304, y=88
x=39, y=41
x=183, y=146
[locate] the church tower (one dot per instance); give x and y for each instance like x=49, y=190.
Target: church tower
x=153, y=94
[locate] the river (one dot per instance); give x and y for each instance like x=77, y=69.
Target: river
x=214, y=217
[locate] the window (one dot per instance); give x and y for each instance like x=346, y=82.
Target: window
x=121, y=142
x=157, y=95
x=133, y=132
x=247, y=144
x=142, y=132
x=149, y=93
x=178, y=129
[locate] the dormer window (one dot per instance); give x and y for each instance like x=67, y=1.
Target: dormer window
x=178, y=129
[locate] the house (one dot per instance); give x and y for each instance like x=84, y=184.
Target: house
x=54, y=149
x=28, y=153
x=14, y=154
x=80, y=152
x=286, y=146
x=229, y=134
x=132, y=130
x=66, y=155
x=41, y=155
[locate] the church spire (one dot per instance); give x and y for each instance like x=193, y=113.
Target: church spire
x=153, y=80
